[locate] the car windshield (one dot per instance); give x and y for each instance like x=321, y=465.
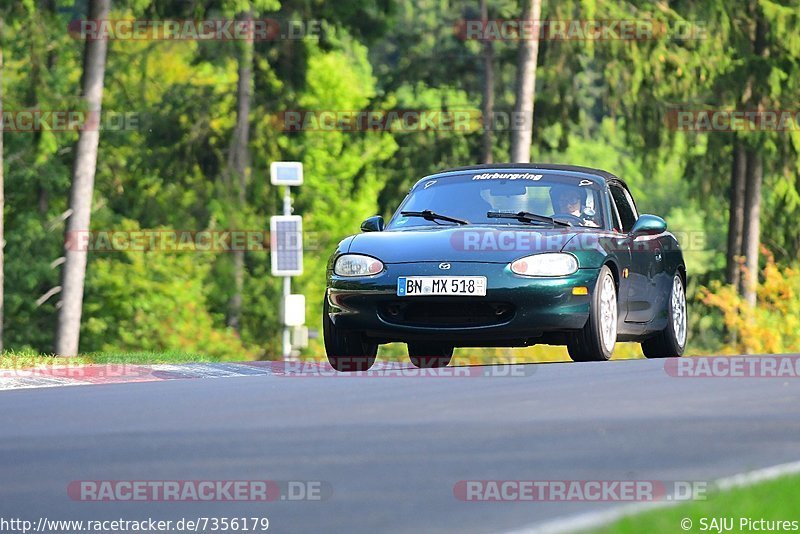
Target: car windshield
x=471, y=196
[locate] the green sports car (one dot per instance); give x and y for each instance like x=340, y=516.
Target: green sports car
x=507, y=255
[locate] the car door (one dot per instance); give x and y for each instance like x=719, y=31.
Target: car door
x=619, y=243
x=642, y=254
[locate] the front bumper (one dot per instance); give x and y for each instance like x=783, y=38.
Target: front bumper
x=516, y=310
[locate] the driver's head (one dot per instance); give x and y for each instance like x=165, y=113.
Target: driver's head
x=567, y=200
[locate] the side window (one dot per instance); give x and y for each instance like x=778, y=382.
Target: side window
x=632, y=205
x=624, y=206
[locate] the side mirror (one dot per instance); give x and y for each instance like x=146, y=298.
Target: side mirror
x=373, y=224
x=649, y=225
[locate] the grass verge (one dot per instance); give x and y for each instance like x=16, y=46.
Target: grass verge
x=773, y=501
x=29, y=359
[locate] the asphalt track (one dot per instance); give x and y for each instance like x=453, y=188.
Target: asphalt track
x=389, y=449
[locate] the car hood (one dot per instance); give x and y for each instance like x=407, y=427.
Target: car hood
x=472, y=244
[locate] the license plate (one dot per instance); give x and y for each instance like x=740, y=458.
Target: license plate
x=420, y=286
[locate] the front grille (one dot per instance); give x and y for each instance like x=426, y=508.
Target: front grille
x=453, y=314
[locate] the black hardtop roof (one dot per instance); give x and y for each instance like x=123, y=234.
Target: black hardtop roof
x=607, y=176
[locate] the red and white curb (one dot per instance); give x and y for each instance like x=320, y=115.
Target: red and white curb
x=82, y=375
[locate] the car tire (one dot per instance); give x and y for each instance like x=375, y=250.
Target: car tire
x=346, y=351
x=670, y=342
x=427, y=355
x=596, y=340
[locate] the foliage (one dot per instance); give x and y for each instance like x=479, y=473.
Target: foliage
x=153, y=301
x=773, y=326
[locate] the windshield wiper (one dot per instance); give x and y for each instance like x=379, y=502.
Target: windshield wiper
x=429, y=215
x=526, y=216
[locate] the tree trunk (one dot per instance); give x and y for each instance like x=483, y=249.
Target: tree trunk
x=754, y=174
x=522, y=123
x=736, y=219
x=2, y=193
x=80, y=197
x=752, y=225
x=239, y=163
x=487, y=104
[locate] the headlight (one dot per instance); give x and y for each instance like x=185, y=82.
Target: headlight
x=357, y=265
x=550, y=264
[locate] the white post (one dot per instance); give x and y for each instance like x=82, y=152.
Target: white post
x=287, y=282
x=287, y=339
x=286, y=173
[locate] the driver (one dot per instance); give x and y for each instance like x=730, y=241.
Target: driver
x=567, y=201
